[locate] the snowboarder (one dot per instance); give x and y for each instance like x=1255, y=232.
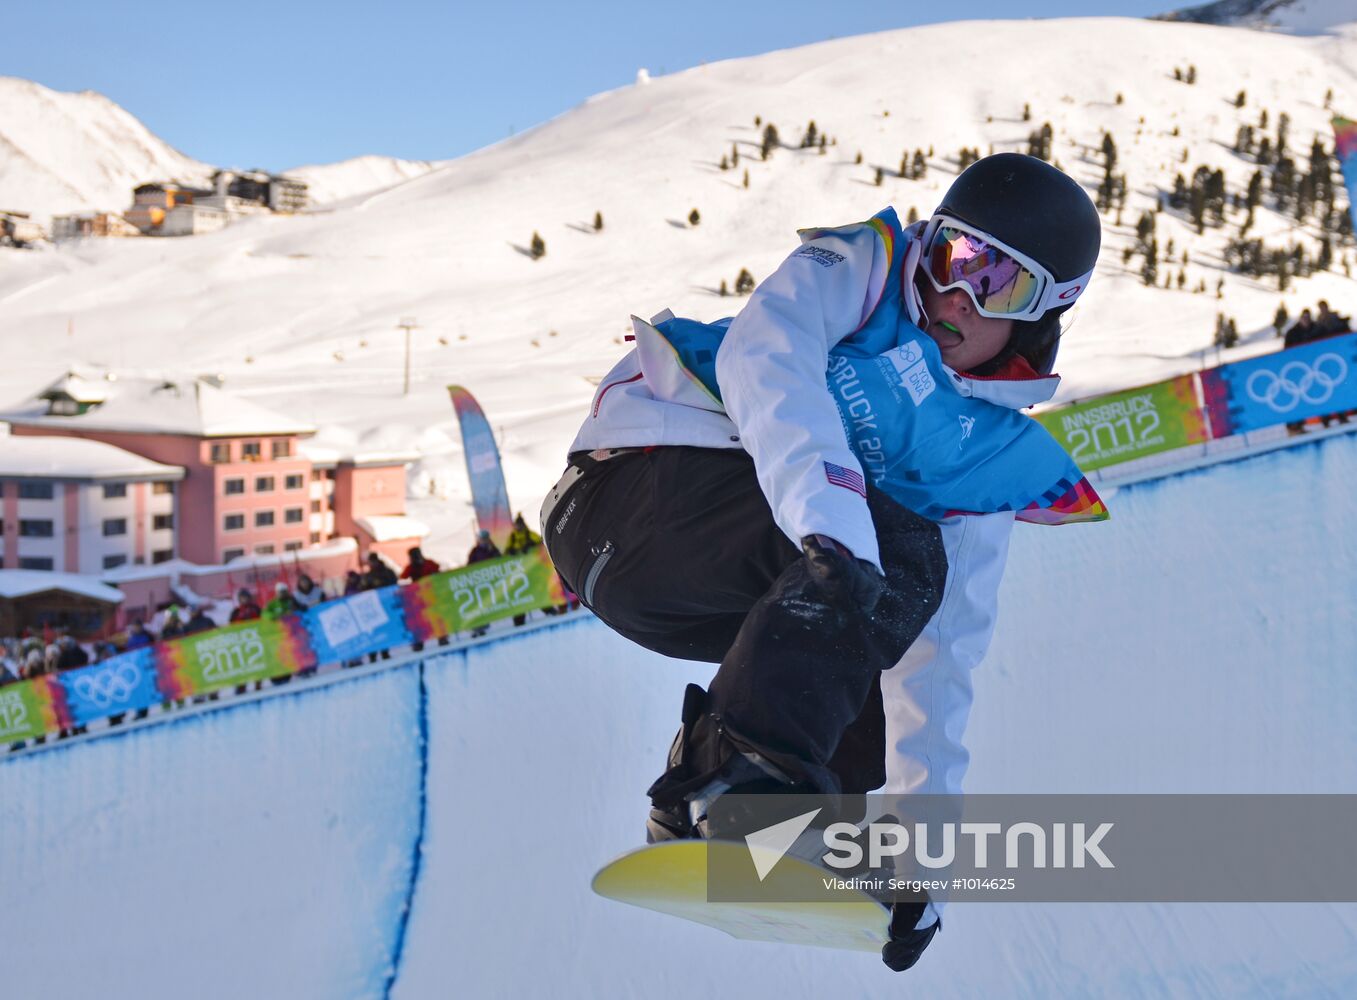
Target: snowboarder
x=747, y=522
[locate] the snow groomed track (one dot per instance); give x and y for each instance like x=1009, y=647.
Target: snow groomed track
x=1199, y=642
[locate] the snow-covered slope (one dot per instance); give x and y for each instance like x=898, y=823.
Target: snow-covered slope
x=300, y=312
x=270, y=850
x=333, y=182
x=75, y=152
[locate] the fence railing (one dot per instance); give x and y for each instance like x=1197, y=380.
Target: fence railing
x=337, y=631
x=1207, y=413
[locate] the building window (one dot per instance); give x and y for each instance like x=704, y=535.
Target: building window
x=221, y=452
x=282, y=448
x=233, y=487
x=292, y=546
x=293, y=515
x=315, y=538
x=162, y=555
x=263, y=484
x=162, y=488
x=35, y=491
x=249, y=451
x=233, y=522
x=35, y=529
x=294, y=482
x=113, y=562
x=162, y=522
x=263, y=519
x=263, y=550
x=227, y=555
x=114, y=491
x=35, y=562
x=115, y=526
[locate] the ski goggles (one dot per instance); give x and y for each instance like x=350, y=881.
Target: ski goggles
x=1002, y=282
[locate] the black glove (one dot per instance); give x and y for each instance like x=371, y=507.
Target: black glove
x=846, y=580
x=906, y=944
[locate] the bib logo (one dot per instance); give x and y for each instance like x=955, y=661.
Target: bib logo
x=913, y=370
x=235, y=654
x=13, y=715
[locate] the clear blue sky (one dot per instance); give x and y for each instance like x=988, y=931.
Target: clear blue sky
x=275, y=85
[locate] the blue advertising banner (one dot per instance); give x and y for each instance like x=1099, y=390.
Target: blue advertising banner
x=123, y=683
x=356, y=625
x=1312, y=380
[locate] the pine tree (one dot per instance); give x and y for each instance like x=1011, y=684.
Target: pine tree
x=744, y=282
x=724, y=289
x=918, y=166
x=1239, y=99
x=904, y=166
x=1191, y=74
x=694, y=218
x=770, y=140
x=812, y=136
x=913, y=216
x=1149, y=273
x=725, y=164
x=1120, y=99
x=1280, y=318
x=858, y=159
x=734, y=155
x=598, y=222
x=746, y=177
x=880, y=176
x=538, y=247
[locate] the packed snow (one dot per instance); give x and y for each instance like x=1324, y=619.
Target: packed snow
x=1197, y=643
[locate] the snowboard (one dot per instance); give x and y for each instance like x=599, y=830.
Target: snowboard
x=671, y=877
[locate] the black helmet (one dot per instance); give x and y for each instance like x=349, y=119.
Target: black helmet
x=1032, y=207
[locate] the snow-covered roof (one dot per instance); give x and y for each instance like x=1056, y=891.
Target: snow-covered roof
x=23, y=582
x=326, y=456
x=55, y=457
x=392, y=527
x=190, y=406
x=184, y=570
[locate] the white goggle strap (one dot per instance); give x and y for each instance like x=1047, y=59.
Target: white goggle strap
x=1064, y=293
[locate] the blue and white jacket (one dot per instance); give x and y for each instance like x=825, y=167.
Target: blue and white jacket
x=852, y=289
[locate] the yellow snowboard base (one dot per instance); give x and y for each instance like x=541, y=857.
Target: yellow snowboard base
x=671, y=877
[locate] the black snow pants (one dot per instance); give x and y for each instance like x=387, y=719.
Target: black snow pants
x=676, y=549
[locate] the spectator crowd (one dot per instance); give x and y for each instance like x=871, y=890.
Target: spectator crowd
x=30, y=655
x=1308, y=328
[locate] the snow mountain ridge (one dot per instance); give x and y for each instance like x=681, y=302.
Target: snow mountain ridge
x=79, y=152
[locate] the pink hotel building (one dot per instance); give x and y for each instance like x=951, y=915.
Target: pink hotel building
x=236, y=480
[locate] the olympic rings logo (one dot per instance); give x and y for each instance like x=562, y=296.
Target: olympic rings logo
x=106, y=688
x=1297, y=382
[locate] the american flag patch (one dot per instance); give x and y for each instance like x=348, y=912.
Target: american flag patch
x=846, y=478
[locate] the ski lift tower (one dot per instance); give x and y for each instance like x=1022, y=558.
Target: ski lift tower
x=407, y=324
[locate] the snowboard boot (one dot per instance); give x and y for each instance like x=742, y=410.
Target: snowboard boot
x=704, y=763
x=907, y=942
